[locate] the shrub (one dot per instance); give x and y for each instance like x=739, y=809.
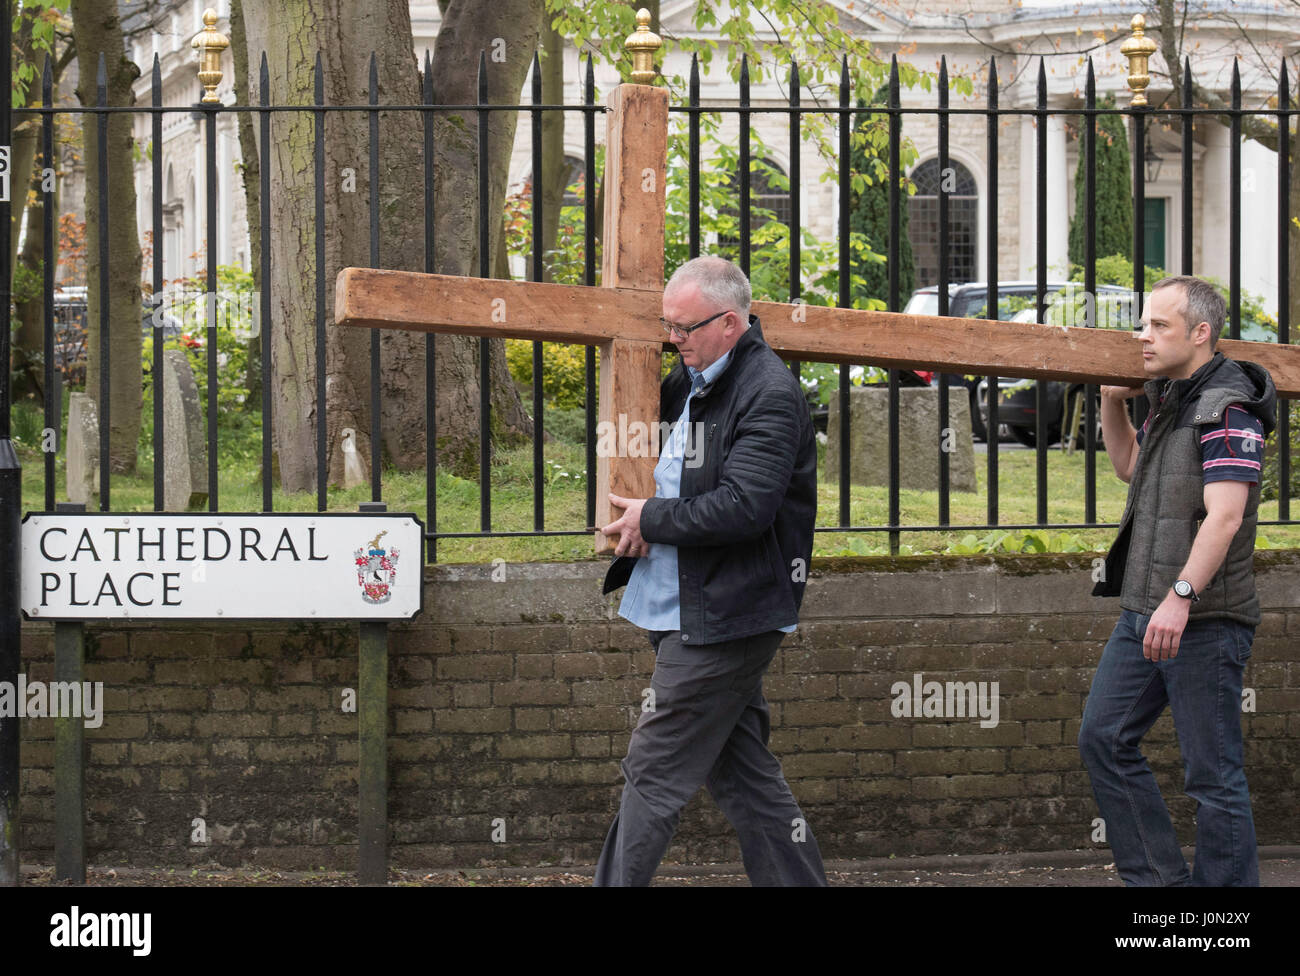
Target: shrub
x=568, y=426
x=1268, y=480
x=564, y=371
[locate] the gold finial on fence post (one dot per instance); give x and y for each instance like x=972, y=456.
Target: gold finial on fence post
x=643, y=44
x=1138, y=49
x=209, y=42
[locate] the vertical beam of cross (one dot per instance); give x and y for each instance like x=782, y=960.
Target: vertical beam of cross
x=636, y=157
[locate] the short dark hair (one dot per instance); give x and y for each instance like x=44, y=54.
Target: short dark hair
x=1202, y=302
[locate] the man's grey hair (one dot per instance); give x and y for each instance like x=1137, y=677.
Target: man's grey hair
x=720, y=281
x=1202, y=302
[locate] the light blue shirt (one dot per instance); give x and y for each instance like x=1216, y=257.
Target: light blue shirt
x=652, y=599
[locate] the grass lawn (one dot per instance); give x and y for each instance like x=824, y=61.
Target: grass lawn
x=564, y=495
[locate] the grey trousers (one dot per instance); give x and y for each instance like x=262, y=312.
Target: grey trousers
x=709, y=726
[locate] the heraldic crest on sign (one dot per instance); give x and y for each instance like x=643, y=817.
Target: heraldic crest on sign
x=376, y=570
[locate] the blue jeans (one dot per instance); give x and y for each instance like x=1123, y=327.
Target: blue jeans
x=1202, y=686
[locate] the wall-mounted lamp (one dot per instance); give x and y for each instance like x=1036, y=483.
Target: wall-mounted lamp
x=1152, y=159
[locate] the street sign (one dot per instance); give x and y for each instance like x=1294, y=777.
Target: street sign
x=88, y=566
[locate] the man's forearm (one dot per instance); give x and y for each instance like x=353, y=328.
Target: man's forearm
x=1119, y=435
x=1209, y=549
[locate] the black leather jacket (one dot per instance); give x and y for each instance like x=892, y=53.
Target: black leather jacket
x=743, y=526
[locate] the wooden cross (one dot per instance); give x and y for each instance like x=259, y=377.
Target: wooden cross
x=622, y=316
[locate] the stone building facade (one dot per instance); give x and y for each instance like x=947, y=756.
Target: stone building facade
x=1015, y=32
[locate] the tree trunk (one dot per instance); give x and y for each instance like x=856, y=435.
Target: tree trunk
x=29, y=304
x=21, y=158
x=27, y=340
x=345, y=32
x=23, y=138
x=550, y=184
x=508, y=32
x=97, y=30
x=251, y=173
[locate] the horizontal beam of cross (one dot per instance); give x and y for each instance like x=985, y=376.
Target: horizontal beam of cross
x=569, y=313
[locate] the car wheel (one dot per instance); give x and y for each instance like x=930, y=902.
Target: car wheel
x=1028, y=436
x=977, y=428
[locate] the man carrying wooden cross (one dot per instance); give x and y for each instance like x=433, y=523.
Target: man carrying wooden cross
x=1182, y=566
x=715, y=565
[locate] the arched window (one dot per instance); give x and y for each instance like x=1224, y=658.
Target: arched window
x=574, y=172
x=577, y=171
x=764, y=195
x=963, y=222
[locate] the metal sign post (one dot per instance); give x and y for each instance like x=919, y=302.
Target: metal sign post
x=11, y=482
x=70, y=750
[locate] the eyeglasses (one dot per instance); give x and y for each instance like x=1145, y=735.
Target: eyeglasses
x=673, y=329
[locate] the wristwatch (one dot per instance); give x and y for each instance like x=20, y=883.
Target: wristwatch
x=1184, y=589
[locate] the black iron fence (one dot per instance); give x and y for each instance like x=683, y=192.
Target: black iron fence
x=940, y=115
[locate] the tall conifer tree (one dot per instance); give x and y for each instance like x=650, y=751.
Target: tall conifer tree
x=1114, y=191
x=869, y=215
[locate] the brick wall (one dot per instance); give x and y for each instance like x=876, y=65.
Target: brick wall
x=514, y=701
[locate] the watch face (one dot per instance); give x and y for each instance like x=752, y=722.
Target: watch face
x=1183, y=588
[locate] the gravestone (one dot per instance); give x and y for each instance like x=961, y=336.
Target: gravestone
x=185, y=450
x=919, y=439
x=83, y=449
x=354, y=472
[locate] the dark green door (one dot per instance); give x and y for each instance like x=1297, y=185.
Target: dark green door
x=1153, y=229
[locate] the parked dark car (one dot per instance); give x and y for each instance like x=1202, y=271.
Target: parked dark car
x=1018, y=402
x=970, y=301
x=70, y=331
x=1018, y=407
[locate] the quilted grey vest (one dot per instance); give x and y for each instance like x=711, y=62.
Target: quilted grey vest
x=1166, y=496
